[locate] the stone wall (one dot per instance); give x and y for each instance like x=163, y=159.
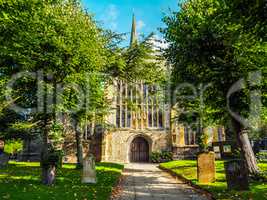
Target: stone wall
x=116, y=145
x=185, y=152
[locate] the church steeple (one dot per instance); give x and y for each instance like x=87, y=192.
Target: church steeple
x=133, y=32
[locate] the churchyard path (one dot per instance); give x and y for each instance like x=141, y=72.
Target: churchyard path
x=147, y=182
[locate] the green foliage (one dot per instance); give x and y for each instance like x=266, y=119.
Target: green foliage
x=56, y=134
x=188, y=169
x=139, y=62
x=13, y=146
x=22, y=181
x=159, y=157
x=62, y=41
x=218, y=42
x=262, y=156
x=204, y=144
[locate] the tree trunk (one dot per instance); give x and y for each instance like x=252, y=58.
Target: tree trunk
x=247, y=153
x=47, y=175
x=79, y=147
x=48, y=169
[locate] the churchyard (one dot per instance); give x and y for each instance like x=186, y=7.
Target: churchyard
x=80, y=92
x=21, y=181
x=187, y=169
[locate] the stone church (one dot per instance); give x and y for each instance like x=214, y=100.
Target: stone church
x=147, y=128
x=142, y=128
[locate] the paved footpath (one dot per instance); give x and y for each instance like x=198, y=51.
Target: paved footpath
x=147, y=182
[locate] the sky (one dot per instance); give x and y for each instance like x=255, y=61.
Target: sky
x=117, y=14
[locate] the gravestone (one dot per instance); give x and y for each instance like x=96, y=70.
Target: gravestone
x=2, y=144
x=4, y=158
x=89, y=172
x=236, y=175
x=227, y=149
x=217, y=152
x=206, y=167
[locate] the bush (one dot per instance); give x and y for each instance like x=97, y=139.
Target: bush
x=262, y=156
x=160, y=157
x=13, y=146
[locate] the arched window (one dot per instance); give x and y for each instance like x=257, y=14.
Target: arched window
x=189, y=136
x=139, y=100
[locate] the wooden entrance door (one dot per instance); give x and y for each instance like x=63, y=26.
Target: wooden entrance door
x=139, y=150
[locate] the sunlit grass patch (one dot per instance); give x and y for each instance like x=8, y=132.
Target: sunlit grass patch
x=188, y=169
x=21, y=180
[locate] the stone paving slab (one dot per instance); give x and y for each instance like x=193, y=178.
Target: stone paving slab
x=148, y=182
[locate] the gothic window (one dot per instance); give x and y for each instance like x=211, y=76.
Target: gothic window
x=150, y=123
x=145, y=92
x=220, y=134
x=155, y=117
x=118, y=111
x=142, y=101
x=189, y=136
x=129, y=118
x=123, y=114
x=118, y=93
x=160, y=119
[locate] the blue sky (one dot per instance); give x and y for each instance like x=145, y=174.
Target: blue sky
x=117, y=14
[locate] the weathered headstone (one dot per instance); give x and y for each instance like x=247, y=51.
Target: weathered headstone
x=206, y=167
x=4, y=158
x=217, y=152
x=236, y=175
x=2, y=144
x=89, y=172
x=227, y=149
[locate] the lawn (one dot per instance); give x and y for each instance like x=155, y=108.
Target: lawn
x=188, y=169
x=21, y=181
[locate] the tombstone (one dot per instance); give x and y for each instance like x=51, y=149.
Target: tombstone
x=2, y=145
x=4, y=158
x=206, y=167
x=89, y=172
x=227, y=149
x=217, y=152
x=236, y=175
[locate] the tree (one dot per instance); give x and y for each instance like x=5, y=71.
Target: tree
x=220, y=42
x=94, y=106
x=57, y=39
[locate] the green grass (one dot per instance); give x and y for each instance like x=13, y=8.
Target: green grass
x=188, y=169
x=21, y=181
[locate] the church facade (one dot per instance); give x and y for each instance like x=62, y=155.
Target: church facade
x=147, y=125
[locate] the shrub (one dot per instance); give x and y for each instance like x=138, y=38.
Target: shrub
x=13, y=146
x=262, y=156
x=159, y=157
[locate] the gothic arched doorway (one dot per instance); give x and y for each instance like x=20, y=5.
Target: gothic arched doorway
x=139, y=150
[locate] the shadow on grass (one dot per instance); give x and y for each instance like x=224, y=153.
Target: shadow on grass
x=111, y=165
x=22, y=181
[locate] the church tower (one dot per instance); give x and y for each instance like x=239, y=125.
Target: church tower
x=134, y=39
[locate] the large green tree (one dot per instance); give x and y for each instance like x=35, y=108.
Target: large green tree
x=221, y=42
x=57, y=39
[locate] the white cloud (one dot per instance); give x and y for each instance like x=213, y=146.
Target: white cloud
x=158, y=43
x=140, y=24
x=110, y=16
x=112, y=11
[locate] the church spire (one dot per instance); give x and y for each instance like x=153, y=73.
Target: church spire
x=133, y=32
